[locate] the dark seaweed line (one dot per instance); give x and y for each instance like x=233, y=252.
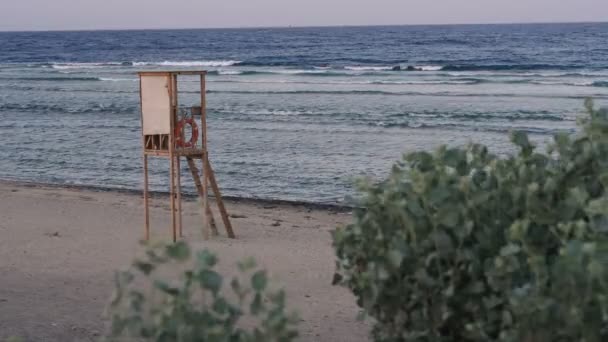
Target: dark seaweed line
x=191, y=196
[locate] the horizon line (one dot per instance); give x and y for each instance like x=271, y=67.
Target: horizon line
x=303, y=26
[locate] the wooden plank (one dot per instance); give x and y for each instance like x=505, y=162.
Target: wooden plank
x=201, y=193
x=189, y=72
x=172, y=160
x=153, y=73
x=171, y=72
x=203, y=114
x=157, y=153
x=145, y=161
x=179, y=196
x=146, y=204
x=178, y=187
x=218, y=199
x=199, y=189
x=204, y=140
x=172, y=197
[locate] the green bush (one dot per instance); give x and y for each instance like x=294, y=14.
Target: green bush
x=461, y=245
x=152, y=305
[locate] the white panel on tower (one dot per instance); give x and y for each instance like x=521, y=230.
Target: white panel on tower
x=155, y=104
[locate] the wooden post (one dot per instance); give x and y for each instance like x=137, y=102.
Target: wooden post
x=145, y=161
x=172, y=193
x=172, y=94
x=146, y=209
x=199, y=189
x=204, y=115
x=218, y=199
x=205, y=195
x=179, y=196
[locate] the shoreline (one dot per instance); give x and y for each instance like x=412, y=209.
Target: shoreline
x=264, y=202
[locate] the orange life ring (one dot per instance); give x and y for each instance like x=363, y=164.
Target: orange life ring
x=179, y=136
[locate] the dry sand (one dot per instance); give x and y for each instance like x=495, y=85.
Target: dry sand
x=59, y=248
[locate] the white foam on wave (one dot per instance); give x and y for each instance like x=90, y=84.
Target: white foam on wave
x=278, y=112
x=215, y=63
x=428, y=67
x=116, y=79
x=229, y=72
x=555, y=74
x=429, y=82
x=298, y=71
x=368, y=68
x=347, y=82
x=66, y=66
x=558, y=83
x=490, y=73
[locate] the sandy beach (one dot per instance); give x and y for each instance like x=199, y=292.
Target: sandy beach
x=59, y=248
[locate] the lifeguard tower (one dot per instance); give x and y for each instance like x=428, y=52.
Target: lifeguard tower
x=164, y=134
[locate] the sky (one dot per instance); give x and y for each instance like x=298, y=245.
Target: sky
x=26, y=15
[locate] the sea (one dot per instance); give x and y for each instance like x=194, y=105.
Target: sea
x=295, y=114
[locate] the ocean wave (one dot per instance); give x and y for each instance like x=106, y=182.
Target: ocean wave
x=428, y=68
x=312, y=92
x=492, y=122
x=394, y=67
x=433, y=115
x=56, y=108
x=514, y=115
x=431, y=82
x=468, y=128
x=601, y=84
x=368, y=68
x=452, y=80
x=553, y=70
x=117, y=79
x=407, y=93
x=548, y=74
x=66, y=66
x=294, y=72
x=54, y=79
x=506, y=67
x=267, y=112
x=210, y=63
x=229, y=72
x=96, y=65
x=348, y=82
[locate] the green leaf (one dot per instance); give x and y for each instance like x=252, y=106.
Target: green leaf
x=520, y=138
x=449, y=217
x=443, y=241
x=206, y=259
x=256, y=305
x=394, y=257
x=144, y=267
x=509, y=250
x=210, y=280
x=166, y=288
x=247, y=264
x=221, y=306
x=259, y=280
x=179, y=251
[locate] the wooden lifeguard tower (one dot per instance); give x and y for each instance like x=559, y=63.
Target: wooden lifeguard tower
x=164, y=135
